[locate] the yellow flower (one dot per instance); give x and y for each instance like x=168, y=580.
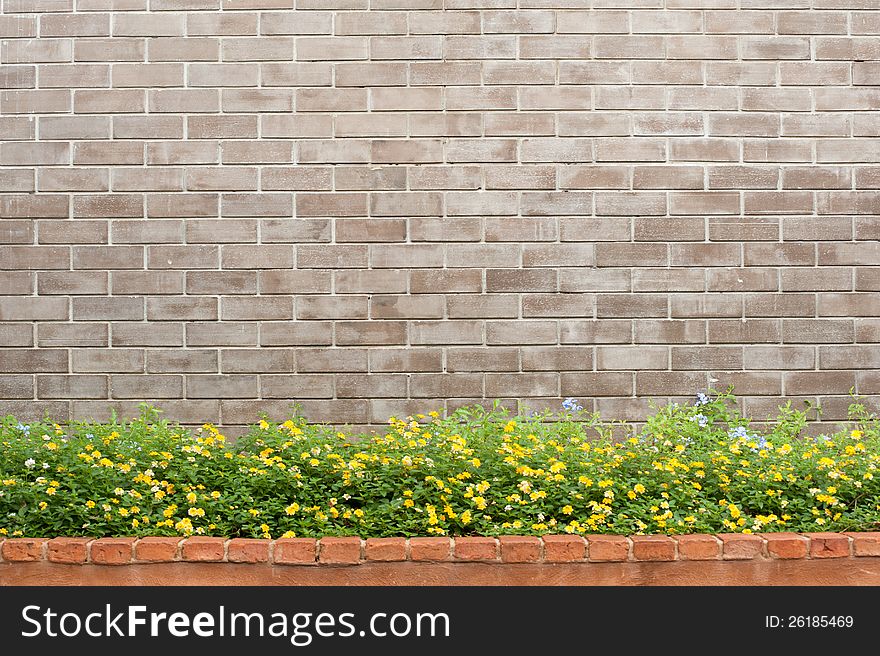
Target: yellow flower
x=196, y=512
x=43, y=505
x=254, y=512
x=292, y=508
x=288, y=534
x=639, y=488
x=90, y=504
x=567, y=510
x=264, y=424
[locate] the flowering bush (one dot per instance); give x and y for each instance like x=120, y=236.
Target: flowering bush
x=698, y=467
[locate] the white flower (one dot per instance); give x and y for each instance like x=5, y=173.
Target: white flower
x=45, y=465
x=30, y=463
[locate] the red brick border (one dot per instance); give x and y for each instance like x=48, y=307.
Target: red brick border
x=591, y=560
x=505, y=549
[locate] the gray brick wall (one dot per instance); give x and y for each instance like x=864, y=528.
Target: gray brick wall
x=380, y=207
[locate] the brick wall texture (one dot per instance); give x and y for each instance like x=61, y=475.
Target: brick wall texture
x=381, y=207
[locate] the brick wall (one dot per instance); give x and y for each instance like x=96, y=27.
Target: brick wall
x=842, y=559
x=224, y=205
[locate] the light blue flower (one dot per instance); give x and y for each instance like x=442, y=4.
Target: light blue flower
x=702, y=420
x=571, y=404
x=702, y=399
x=24, y=428
x=741, y=432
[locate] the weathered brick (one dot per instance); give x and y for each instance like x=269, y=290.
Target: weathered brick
x=23, y=549
x=339, y=551
x=72, y=551
x=698, y=547
x=563, y=548
x=786, y=545
x=476, y=549
x=739, y=546
x=157, y=550
x=295, y=551
x=203, y=549
x=112, y=551
x=247, y=550
x=427, y=549
x=608, y=548
x=385, y=549
x=829, y=545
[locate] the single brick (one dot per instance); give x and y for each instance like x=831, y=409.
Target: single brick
x=520, y=549
x=23, y=549
x=653, y=547
x=157, y=550
x=741, y=546
x=385, y=549
x=248, y=550
x=295, y=551
x=608, y=548
x=698, y=546
x=828, y=545
x=786, y=545
x=204, y=549
x=564, y=548
x=339, y=551
x=865, y=544
x=68, y=550
x=112, y=551
x=476, y=548
x=421, y=549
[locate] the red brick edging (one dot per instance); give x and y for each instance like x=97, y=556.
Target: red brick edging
x=408, y=557
x=505, y=549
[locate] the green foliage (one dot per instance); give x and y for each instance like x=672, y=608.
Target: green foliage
x=698, y=467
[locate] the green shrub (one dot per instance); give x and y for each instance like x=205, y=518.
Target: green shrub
x=693, y=468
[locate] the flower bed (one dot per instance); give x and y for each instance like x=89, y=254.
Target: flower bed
x=694, y=468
